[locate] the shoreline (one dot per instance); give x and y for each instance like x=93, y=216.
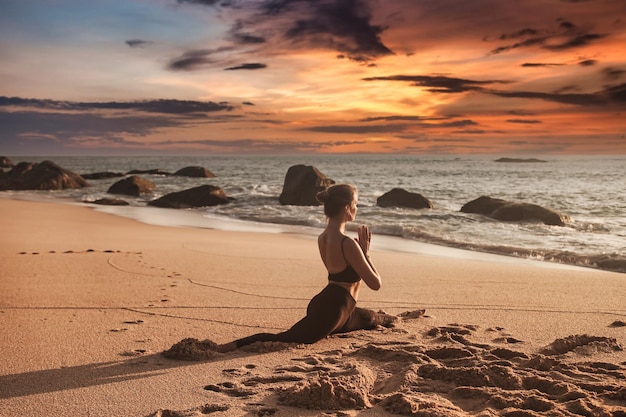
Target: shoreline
x=194, y=219
x=90, y=300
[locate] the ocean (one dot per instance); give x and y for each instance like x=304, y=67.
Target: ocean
x=590, y=190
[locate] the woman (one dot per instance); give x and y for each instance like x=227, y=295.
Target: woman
x=348, y=262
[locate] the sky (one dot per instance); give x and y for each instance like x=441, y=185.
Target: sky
x=423, y=77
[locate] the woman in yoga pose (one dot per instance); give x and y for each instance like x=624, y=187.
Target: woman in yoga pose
x=348, y=262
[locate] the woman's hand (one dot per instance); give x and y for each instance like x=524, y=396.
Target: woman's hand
x=365, y=237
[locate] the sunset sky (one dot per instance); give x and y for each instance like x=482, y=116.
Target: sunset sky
x=509, y=77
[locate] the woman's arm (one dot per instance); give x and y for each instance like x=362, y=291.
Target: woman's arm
x=357, y=254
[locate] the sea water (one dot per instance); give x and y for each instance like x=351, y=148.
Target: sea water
x=590, y=190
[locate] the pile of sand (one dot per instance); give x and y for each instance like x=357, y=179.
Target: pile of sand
x=446, y=373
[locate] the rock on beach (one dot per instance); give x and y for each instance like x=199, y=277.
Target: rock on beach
x=45, y=175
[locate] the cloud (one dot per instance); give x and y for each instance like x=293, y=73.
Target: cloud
x=198, y=58
x=201, y=2
x=389, y=128
x=341, y=25
x=438, y=84
x=537, y=64
x=609, y=95
x=523, y=121
x=344, y=26
x=21, y=129
x=617, y=92
x=613, y=74
x=565, y=36
x=167, y=106
x=576, y=99
x=191, y=60
x=251, y=66
x=587, y=62
x=400, y=118
x=359, y=129
x=137, y=43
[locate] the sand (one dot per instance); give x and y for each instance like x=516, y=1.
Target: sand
x=90, y=301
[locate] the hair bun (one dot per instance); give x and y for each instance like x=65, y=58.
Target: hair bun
x=322, y=196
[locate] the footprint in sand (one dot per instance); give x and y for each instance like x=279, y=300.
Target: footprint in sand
x=231, y=389
x=203, y=410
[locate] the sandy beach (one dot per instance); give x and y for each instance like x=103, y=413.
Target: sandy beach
x=89, y=301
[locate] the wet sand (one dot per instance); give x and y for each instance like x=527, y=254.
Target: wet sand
x=90, y=301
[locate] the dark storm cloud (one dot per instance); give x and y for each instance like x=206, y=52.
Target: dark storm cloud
x=344, y=26
x=137, y=43
x=588, y=62
x=438, y=84
x=251, y=66
x=150, y=106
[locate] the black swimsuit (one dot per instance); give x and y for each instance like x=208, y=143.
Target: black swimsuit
x=348, y=274
x=331, y=311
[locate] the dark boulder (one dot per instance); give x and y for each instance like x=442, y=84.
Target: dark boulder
x=45, y=175
x=399, y=197
x=111, y=202
x=148, y=172
x=513, y=211
x=133, y=186
x=302, y=183
x=5, y=162
x=102, y=175
x=195, y=172
x=202, y=196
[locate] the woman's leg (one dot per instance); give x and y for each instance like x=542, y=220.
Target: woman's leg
x=327, y=312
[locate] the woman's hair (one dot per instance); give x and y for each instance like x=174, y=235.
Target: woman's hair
x=335, y=198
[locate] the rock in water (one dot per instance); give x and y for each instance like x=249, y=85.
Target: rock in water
x=194, y=172
x=512, y=211
x=133, y=186
x=205, y=195
x=302, y=183
x=399, y=197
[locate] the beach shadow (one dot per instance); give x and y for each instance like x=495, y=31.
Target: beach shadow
x=72, y=377
x=82, y=376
